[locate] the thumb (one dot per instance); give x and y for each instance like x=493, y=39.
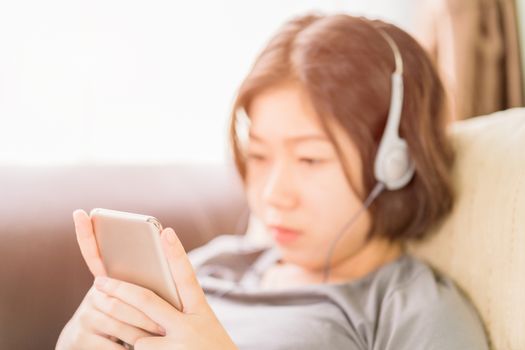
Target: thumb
x=191, y=294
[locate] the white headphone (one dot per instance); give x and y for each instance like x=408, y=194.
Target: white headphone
x=393, y=165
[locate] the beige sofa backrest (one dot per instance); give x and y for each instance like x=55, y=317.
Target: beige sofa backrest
x=482, y=244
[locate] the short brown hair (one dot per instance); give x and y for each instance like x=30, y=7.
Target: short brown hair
x=344, y=64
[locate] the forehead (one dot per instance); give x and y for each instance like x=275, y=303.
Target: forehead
x=283, y=111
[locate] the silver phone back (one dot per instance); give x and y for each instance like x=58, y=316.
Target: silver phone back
x=131, y=251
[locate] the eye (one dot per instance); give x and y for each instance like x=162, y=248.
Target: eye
x=310, y=161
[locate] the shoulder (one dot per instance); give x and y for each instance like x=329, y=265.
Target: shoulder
x=426, y=310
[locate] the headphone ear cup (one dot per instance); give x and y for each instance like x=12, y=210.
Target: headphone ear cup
x=395, y=167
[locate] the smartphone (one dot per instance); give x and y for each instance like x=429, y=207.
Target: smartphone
x=130, y=247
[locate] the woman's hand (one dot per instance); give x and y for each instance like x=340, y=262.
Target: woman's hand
x=195, y=327
x=93, y=325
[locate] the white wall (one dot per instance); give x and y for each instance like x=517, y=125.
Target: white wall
x=133, y=81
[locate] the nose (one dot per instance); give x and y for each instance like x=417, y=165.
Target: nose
x=279, y=190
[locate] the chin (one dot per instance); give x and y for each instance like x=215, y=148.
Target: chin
x=305, y=259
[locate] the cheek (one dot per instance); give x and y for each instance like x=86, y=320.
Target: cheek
x=330, y=203
x=253, y=191
x=251, y=197
x=328, y=210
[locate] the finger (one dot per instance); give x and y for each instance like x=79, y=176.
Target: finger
x=152, y=305
x=191, y=294
x=123, y=312
x=87, y=243
x=107, y=325
x=96, y=341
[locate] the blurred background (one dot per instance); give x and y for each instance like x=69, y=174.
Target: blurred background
x=153, y=81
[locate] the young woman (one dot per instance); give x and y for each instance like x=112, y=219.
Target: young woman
x=344, y=159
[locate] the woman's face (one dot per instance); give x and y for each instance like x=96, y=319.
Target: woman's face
x=295, y=182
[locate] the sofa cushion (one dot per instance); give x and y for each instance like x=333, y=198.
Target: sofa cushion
x=481, y=245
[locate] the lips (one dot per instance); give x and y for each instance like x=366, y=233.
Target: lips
x=282, y=234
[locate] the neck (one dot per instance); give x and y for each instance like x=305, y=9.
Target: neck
x=376, y=253
x=373, y=255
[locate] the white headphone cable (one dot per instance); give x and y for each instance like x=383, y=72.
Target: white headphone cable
x=379, y=187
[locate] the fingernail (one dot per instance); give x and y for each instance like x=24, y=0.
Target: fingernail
x=76, y=212
x=170, y=236
x=161, y=330
x=100, y=281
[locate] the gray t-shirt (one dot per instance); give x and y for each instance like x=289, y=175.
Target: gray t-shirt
x=402, y=305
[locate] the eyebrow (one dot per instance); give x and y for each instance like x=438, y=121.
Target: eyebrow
x=295, y=139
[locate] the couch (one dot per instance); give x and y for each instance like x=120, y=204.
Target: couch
x=43, y=278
